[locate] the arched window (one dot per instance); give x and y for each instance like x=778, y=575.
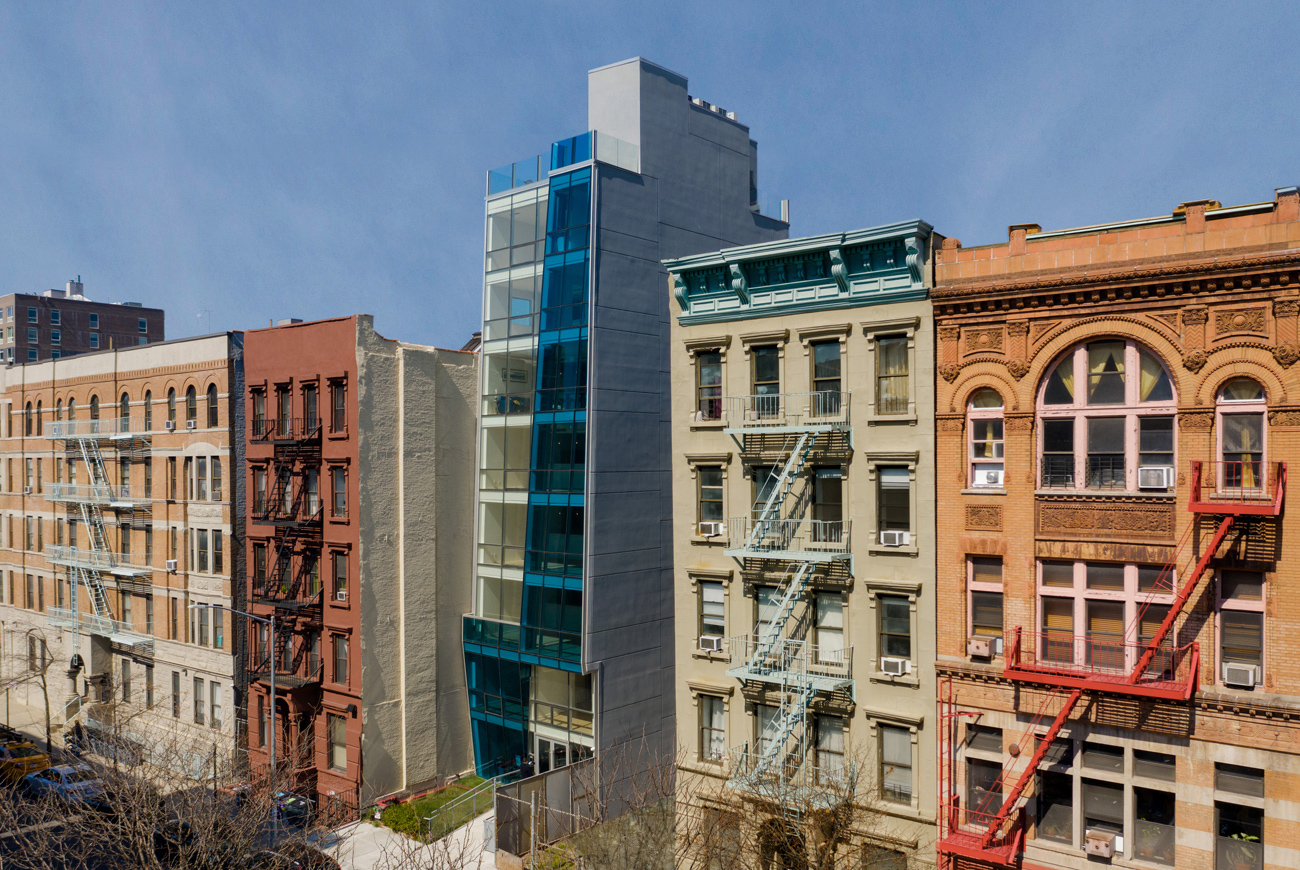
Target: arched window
x=27, y=425
x=38, y=418
x=148, y=410
x=72, y=409
x=984, y=423
x=124, y=412
x=94, y=407
x=1241, y=409
x=171, y=407
x=1106, y=414
x=212, y=406
x=58, y=410
x=191, y=406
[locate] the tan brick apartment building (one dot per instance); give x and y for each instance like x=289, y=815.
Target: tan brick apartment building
x=119, y=475
x=1115, y=402
x=360, y=481
x=802, y=411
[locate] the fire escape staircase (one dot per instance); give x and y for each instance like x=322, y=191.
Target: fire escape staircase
x=88, y=569
x=1159, y=670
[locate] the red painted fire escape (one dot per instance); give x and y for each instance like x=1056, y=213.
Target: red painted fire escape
x=1070, y=665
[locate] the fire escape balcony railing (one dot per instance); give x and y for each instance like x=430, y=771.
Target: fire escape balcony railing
x=286, y=429
x=302, y=673
x=802, y=540
x=104, y=495
x=97, y=560
x=115, y=428
x=778, y=412
x=1240, y=488
x=795, y=781
x=118, y=632
x=302, y=512
x=789, y=661
x=1067, y=660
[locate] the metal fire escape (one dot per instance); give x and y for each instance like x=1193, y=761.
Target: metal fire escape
x=1072, y=666
x=85, y=442
x=778, y=530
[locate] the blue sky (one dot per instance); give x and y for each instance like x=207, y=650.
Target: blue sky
x=238, y=162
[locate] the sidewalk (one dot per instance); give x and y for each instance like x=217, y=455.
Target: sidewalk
x=365, y=846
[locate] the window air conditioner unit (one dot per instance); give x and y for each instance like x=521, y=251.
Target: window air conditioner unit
x=1245, y=676
x=710, y=643
x=171, y=566
x=191, y=424
x=1100, y=844
x=171, y=425
x=894, y=667
x=988, y=477
x=979, y=646
x=27, y=490
x=1155, y=477
x=711, y=529
x=895, y=539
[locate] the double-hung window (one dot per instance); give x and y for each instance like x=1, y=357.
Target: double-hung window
x=828, y=629
x=708, y=385
x=766, y=380
x=893, y=502
x=895, y=764
x=985, y=585
x=713, y=620
x=1241, y=628
x=710, y=494
x=713, y=728
x=984, y=423
x=893, y=376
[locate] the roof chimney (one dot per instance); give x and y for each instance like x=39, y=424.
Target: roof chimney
x=75, y=288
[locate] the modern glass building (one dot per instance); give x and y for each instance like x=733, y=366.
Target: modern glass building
x=568, y=648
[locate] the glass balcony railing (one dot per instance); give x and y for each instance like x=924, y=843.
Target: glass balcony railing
x=509, y=636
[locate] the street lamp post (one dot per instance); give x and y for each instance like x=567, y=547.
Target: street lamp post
x=268, y=620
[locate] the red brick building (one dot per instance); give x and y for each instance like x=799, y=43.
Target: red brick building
x=1117, y=409
x=360, y=464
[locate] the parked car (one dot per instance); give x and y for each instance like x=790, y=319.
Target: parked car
x=71, y=783
x=19, y=758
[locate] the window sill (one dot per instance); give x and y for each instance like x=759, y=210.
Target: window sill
x=710, y=656
x=1107, y=493
x=337, y=436
x=912, y=681
x=983, y=490
x=707, y=424
x=891, y=419
x=338, y=521
x=878, y=550
x=700, y=541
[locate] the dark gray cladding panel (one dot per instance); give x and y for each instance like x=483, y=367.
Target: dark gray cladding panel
x=627, y=204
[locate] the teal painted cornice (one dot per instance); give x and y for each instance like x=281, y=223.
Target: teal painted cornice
x=841, y=270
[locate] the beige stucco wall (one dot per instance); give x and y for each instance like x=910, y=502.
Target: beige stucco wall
x=416, y=448
x=908, y=700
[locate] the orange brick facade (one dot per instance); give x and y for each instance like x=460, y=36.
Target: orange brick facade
x=1213, y=294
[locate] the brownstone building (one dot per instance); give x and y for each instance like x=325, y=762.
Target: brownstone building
x=1117, y=409
x=360, y=487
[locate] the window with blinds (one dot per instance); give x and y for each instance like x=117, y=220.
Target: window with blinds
x=1106, y=634
x=1058, y=630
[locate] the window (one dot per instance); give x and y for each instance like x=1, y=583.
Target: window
x=311, y=484
x=713, y=622
x=984, y=423
x=1240, y=410
x=1248, y=781
x=33, y=335
x=201, y=625
x=894, y=499
x=126, y=681
x=218, y=627
x=895, y=626
x=198, y=701
x=1103, y=808
x=55, y=319
x=176, y=694
x=310, y=413
x=201, y=536
x=1241, y=628
x=94, y=321
x=828, y=628
x=986, y=606
x=261, y=720
x=1055, y=806
x=55, y=336
x=1101, y=434
x=28, y=424
x=339, y=492
x=171, y=407
x=340, y=645
x=218, y=557
x=708, y=385
x=214, y=695
x=148, y=477
x=259, y=491
x=259, y=413
x=337, y=727
x=826, y=375
x=983, y=785
x=340, y=576
x=713, y=728
x=828, y=506
x=1240, y=840
x=148, y=614
x=338, y=408
x=31, y=315
x=148, y=687
x=830, y=749
x=892, y=376
x=1085, y=607
x=895, y=764
x=216, y=478
x=200, y=488
x=710, y=505
x=142, y=325
x=212, y=406
x=94, y=340
x=191, y=406
x=767, y=380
